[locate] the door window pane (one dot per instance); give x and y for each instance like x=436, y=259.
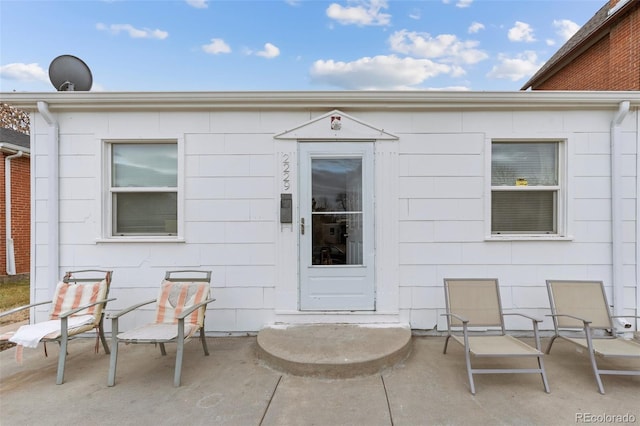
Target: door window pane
x=336, y=185
x=336, y=211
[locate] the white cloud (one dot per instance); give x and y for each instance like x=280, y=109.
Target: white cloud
x=449, y=89
x=132, y=31
x=475, y=27
x=521, y=31
x=523, y=65
x=23, y=72
x=565, y=28
x=364, y=12
x=377, y=73
x=270, y=51
x=216, y=47
x=446, y=47
x=198, y=4
x=415, y=14
x=550, y=42
x=460, y=3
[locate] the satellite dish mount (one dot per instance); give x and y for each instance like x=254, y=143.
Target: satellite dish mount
x=69, y=73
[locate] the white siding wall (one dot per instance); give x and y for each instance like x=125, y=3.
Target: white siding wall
x=231, y=223
x=444, y=181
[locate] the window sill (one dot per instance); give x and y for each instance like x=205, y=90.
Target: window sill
x=528, y=238
x=141, y=240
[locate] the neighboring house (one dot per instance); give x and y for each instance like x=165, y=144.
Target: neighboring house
x=337, y=207
x=15, y=209
x=603, y=55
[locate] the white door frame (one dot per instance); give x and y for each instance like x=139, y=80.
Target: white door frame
x=324, y=285
x=391, y=302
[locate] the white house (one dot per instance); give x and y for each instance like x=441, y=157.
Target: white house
x=326, y=207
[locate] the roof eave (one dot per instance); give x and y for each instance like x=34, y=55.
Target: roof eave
x=343, y=100
x=9, y=148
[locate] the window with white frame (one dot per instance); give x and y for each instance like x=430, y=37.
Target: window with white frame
x=526, y=188
x=143, y=189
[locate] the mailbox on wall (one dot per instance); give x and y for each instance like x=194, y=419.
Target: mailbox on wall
x=286, y=208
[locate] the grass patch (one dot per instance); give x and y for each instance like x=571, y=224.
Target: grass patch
x=12, y=295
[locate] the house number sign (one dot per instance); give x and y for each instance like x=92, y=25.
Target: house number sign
x=286, y=171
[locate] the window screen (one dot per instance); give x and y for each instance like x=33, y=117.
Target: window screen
x=144, y=180
x=525, y=187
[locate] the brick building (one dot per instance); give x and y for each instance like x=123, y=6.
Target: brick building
x=15, y=180
x=603, y=55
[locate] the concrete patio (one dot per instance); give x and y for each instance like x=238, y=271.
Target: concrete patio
x=232, y=386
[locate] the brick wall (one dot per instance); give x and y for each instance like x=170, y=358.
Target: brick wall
x=20, y=214
x=587, y=72
x=613, y=63
x=624, y=56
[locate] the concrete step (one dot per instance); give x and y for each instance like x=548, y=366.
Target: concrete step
x=333, y=351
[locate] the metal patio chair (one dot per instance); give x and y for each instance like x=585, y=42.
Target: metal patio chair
x=180, y=311
x=77, y=307
x=581, y=306
x=476, y=303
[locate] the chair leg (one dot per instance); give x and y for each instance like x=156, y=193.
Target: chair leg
x=113, y=360
x=446, y=343
x=204, y=342
x=592, y=356
x=64, y=340
x=163, y=351
x=594, y=366
x=179, y=353
x=543, y=374
x=467, y=357
x=550, y=343
x=103, y=339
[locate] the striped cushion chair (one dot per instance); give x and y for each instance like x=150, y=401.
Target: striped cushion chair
x=77, y=306
x=180, y=309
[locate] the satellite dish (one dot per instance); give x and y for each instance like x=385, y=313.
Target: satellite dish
x=68, y=73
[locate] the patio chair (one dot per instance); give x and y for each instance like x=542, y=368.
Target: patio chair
x=77, y=306
x=581, y=306
x=476, y=303
x=180, y=310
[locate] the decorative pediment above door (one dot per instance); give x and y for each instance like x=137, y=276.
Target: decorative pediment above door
x=336, y=126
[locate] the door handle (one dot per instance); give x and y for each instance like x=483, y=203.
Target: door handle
x=302, y=226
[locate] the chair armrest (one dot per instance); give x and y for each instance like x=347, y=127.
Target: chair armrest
x=83, y=307
x=458, y=317
x=571, y=316
x=523, y=315
x=22, y=308
x=625, y=316
x=117, y=315
x=188, y=311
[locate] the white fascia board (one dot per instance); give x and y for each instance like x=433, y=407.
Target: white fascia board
x=10, y=148
x=318, y=101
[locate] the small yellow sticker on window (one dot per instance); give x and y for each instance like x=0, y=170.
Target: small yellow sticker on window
x=521, y=182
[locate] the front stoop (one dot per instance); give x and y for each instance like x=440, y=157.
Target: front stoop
x=333, y=351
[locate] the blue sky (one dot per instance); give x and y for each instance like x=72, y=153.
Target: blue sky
x=207, y=45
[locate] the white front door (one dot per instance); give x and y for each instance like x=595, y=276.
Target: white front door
x=336, y=226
